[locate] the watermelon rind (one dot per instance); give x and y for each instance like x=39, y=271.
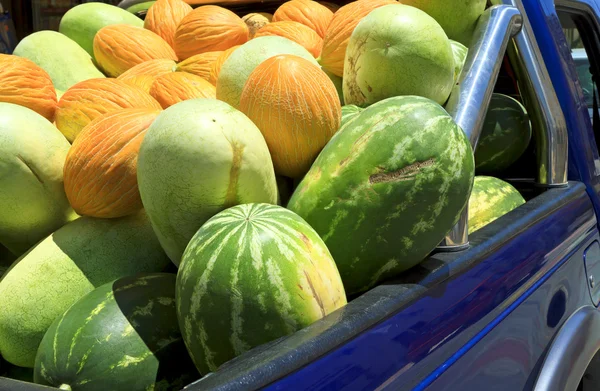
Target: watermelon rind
x=349, y=112
x=251, y=274
x=386, y=188
x=505, y=135
x=123, y=335
x=491, y=198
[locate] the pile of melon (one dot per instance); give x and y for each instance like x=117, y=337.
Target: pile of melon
x=181, y=189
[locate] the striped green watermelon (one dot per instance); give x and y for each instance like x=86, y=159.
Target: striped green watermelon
x=251, y=274
x=123, y=335
x=459, y=51
x=490, y=199
x=505, y=135
x=387, y=188
x=349, y=112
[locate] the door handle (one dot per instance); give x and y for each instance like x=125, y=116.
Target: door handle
x=576, y=343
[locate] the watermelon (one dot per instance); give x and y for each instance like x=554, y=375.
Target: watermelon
x=82, y=22
x=490, y=199
x=240, y=64
x=64, y=267
x=505, y=135
x=199, y=157
x=457, y=17
x=251, y=274
x=123, y=335
x=387, y=188
x=397, y=50
x=349, y=112
x=459, y=51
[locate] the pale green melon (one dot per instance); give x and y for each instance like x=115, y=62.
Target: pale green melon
x=240, y=64
x=63, y=59
x=397, y=50
x=459, y=52
x=199, y=157
x=82, y=22
x=145, y=6
x=458, y=18
x=337, y=82
x=33, y=203
x=65, y=266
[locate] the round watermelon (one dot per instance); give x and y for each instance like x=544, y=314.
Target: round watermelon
x=123, y=335
x=490, y=199
x=251, y=274
x=397, y=50
x=349, y=112
x=386, y=188
x=459, y=51
x=505, y=135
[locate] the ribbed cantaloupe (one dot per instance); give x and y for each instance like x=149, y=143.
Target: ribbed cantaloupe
x=89, y=99
x=240, y=64
x=26, y=84
x=208, y=29
x=144, y=74
x=164, y=16
x=338, y=33
x=82, y=22
x=120, y=47
x=332, y=7
x=296, y=32
x=296, y=107
x=176, y=87
x=100, y=172
x=307, y=12
x=200, y=64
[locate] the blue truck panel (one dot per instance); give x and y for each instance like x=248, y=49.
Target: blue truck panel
x=510, y=356
x=416, y=345
x=483, y=318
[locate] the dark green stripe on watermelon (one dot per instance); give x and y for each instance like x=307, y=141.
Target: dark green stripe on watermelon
x=251, y=274
x=387, y=188
x=123, y=335
x=505, y=135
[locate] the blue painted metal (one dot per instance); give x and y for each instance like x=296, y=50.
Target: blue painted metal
x=400, y=351
x=510, y=356
x=561, y=68
x=591, y=259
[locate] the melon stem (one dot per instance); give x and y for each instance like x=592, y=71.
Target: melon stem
x=65, y=387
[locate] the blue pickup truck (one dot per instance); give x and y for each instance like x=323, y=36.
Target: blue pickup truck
x=513, y=306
